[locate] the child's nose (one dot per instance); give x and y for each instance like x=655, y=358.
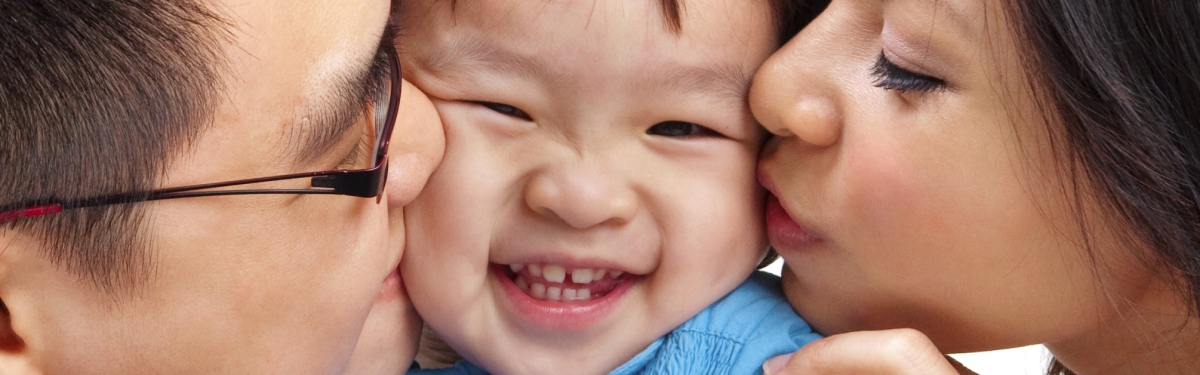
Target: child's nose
x=581, y=197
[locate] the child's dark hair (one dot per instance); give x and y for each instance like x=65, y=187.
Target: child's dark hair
x=790, y=15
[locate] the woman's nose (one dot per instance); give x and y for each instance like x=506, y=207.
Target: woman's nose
x=791, y=95
x=581, y=196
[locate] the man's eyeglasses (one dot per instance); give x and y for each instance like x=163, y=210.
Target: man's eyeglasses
x=366, y=182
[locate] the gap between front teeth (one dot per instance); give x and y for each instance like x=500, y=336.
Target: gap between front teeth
x=548, y=282
x=553, y=293
x=558, y=274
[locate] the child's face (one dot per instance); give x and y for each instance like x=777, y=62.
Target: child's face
x=582, y=136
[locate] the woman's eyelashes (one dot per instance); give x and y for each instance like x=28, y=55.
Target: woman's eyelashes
x=680, y=129
x=506, y=110
x=889, y=76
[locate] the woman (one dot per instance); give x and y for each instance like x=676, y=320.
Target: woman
x=989, y=174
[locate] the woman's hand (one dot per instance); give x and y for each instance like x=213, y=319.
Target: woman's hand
x=891, y=352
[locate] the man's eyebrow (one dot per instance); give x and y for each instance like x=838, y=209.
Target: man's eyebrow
x=324, y=122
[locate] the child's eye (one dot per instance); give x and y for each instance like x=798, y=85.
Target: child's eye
x=506, y=110
x=680, y=129
x=888, y=76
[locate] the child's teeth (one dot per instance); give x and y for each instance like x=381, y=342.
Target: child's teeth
x=538, y=290
x=554, y=274
x=582, y=276
x=535, y=270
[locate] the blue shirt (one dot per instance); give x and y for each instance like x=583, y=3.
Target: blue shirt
x=734, y=335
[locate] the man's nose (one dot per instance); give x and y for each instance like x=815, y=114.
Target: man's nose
x=581, y=196
x=417, y=145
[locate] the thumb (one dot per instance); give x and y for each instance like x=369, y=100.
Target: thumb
x=892, y=352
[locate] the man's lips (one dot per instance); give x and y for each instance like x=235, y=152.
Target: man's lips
x=392, y=287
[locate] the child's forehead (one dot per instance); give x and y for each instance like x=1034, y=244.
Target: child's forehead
x=671, y=11
x=669, y=16
x=612, y=55
x=523, y=36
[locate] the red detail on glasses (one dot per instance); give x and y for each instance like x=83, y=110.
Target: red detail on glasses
x=30, y=212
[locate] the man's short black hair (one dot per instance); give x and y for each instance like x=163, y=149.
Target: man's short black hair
x=97, y=97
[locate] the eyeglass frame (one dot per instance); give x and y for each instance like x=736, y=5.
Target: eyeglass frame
x=363, y=183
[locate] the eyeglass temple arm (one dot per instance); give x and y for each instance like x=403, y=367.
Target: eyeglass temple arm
x=357, y=183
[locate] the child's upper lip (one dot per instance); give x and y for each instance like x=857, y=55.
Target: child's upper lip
x=632, y=250
x=607, y=260
x=571, y=263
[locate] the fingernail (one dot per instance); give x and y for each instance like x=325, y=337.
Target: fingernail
x=775, y=365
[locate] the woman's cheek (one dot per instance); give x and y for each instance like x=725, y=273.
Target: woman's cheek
x=910, y=221
x=884, y=194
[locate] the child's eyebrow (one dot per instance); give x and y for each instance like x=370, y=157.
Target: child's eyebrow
x=466, y=55
x=727, y=82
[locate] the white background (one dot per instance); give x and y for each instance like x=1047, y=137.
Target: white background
x=1028, y=360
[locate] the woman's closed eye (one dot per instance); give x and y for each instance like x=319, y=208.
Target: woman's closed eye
x=506, y=110
x=889, y=76
x=681, y=129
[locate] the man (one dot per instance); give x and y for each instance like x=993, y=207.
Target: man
x=105, y=105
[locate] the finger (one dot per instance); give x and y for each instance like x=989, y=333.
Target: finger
x=891, y=352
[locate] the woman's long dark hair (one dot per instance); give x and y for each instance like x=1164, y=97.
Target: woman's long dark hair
x=1123, y=79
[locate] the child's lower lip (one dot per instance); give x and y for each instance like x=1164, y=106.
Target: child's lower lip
x=556, y=315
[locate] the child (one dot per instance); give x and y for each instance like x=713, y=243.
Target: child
x=598, y=189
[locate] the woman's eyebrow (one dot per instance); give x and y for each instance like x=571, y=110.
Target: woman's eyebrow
x=952, y=11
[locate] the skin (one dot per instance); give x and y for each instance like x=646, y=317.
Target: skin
x=944, y=211
x=580, y=181
x=270, y=284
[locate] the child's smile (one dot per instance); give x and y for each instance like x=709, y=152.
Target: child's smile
x=557, y=298
x=598, y=187
x=553, y=282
